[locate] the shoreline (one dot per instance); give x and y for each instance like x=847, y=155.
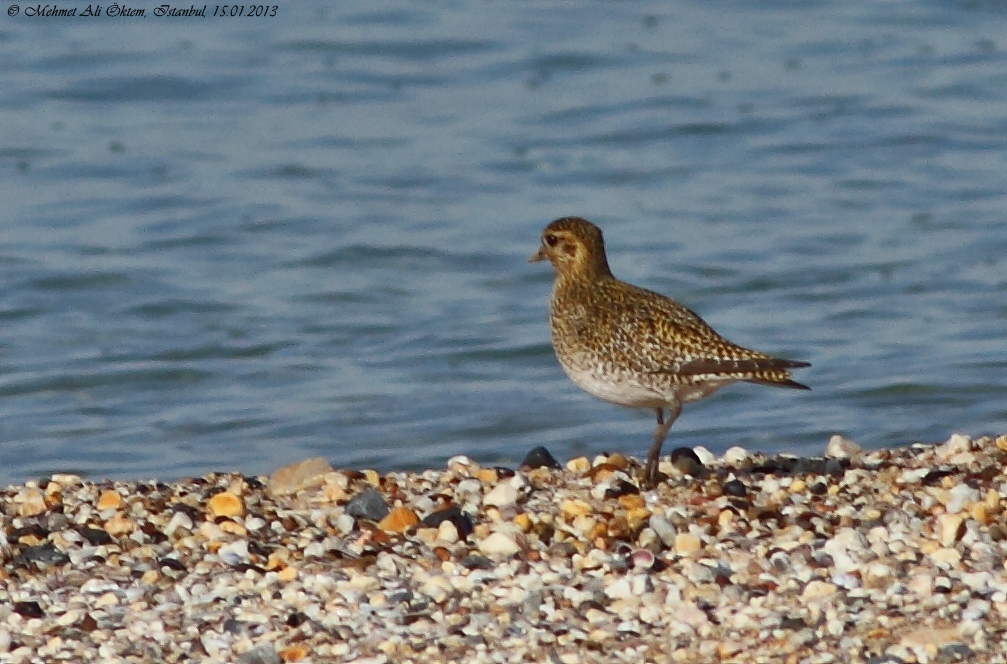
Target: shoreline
x=748, y=558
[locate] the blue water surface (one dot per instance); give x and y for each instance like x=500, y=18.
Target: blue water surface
x=230, y=244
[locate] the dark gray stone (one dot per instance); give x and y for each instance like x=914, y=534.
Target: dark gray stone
x=368, y=504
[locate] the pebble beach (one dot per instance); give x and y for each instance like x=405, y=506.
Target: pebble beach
x=893, y=555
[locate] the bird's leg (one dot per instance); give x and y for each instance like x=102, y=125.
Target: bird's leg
x=660, y=433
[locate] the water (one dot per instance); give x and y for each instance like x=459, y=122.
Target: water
x=232, y=244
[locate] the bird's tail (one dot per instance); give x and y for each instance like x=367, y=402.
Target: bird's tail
x=762, y=370
x=778, y=374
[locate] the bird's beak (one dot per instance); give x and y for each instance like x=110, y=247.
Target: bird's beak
x=538, y=256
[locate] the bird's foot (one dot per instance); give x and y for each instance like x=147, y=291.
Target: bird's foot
x=651, y=476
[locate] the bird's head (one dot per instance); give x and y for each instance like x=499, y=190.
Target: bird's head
x=575, y=247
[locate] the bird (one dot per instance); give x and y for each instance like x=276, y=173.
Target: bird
x=633, y=347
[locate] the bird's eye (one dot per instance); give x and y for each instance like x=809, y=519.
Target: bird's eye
x=551, y=240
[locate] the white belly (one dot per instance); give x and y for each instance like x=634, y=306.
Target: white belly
x=626, y=390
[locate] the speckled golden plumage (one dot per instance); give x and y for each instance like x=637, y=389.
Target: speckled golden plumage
x=634, y=347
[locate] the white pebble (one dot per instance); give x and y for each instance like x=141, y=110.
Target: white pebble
x=178, y=520
x=469, y=486
x=650, y=614
x=835, y=627
x=641, y=584
x=97, y=586
x=502, y=495
x=961, y=496
x=499, y=544
x=314, y=550
x=817, y=590
x=459, y=460
x=234, y=553
x=447, y=532
x=949, y=528
x=108, y=599
x=255, y=523
x=620, y=589
x=847, y=581
x=956, y=444
x=437, y=588
x=344, y=523
x=912, y=475
x=840, y=447
x=976, y=609
x=706, y=457
x=214, y=645
x=65, y=620
x=735, y=456
x=946, y=558
x=664, y=530
x=979, y=582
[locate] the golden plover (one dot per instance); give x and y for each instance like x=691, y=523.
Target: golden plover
x=633, y=347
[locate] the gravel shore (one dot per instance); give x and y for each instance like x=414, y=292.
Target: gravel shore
x=891, y=556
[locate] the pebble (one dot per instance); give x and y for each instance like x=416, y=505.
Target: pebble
x=40, y=556
x=957, y=444
x=539, y=457
x=735, y=488
x=960, y=497
x=109, y=500
x=735, y=456
x=398, y=520
x=447, y=532
x=687, y=544
x=461, y=520
x=705, y=456
x=119, y=526
x=344, y=523
x=895, y=552
x=663, y=529
x=31, y=502
x=642, y=559
x=234, y=553
x=294, y=653
x=946, y=558
x=225, y=504
x=840, y=447
x=921, y=583
x=687, y=461
x=298, y=476
x=368, y=504
x=950, y=528
x=816, y=590
x=263, y=654
x=504, y=494
x=572, y=509
x=498, y=544
x=621, y=588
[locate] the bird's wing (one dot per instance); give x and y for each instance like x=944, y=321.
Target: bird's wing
x=677, y=341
